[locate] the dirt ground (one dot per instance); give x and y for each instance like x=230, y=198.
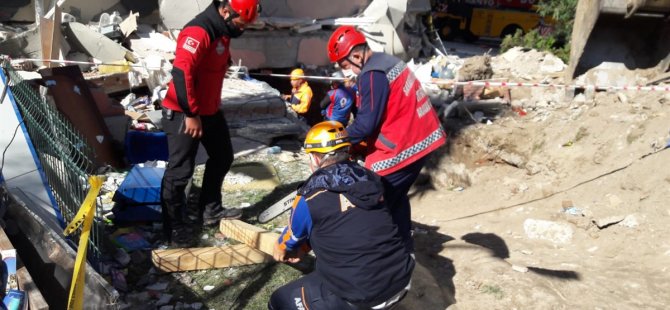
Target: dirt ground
x=563, y=208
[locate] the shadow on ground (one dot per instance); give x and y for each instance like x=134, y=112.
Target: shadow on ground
x=499, y=249
x=432, y=282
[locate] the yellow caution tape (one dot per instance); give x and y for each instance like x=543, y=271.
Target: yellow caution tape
x=84, y=216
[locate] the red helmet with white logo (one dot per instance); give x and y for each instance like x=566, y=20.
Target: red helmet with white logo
x=342, y=41
x=247, y=9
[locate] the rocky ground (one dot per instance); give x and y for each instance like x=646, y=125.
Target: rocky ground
x=563, y=208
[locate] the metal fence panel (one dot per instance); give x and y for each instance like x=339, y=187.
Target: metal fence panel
x=65, y=156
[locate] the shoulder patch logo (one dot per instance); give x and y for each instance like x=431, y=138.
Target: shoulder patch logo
x=191, y=45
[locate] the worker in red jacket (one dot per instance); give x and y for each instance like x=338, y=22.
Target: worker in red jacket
x=191, y=113
x=395, y=119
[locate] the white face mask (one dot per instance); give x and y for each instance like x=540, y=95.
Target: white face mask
x=348, y=73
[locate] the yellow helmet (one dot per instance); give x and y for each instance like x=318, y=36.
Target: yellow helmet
x=297, y=74
x=326, y=137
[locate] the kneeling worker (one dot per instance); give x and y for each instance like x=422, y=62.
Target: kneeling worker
x=340, y=213
x=300, y=99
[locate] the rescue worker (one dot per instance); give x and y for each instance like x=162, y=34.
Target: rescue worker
x=300, y=99
x=395, y=119
x=191, y=114
x=340, y=213
x=336, y=105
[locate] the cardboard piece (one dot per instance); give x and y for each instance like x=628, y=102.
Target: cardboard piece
x=106, y=105
x=129, y=25
x=74, y=99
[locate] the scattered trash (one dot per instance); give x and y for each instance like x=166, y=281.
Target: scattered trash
x=130, y=241
x=274, y=150
x=196, y=305
x=573, y=211
x=122, y=257
x=521, y=269
x=557, y=233
x=164, y=299
x=119, y=280
x=208, y=288
x=158, y=287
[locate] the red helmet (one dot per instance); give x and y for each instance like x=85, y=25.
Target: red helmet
x=247, y=9
x=343, y=41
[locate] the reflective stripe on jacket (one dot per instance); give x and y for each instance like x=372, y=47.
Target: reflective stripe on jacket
x=410, y=128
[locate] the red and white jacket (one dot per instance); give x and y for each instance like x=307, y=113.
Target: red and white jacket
x=410, y=128
x=201, y=61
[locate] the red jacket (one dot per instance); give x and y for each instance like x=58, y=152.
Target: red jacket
x=201, y=61
x=410, y=128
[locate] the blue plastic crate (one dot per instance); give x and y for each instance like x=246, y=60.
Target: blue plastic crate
x=141, y=146
x=142, y=186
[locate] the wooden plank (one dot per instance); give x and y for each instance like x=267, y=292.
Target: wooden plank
x=253, y=236
x=51, y=37
x=35, y=299
x=173, y=260
x=5, y=244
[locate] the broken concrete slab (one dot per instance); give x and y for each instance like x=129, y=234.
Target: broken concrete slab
x=314, y=9
x=16, y=10
x=93, y=43
x=150, y=43
x=176, y=13
x=280, y=49
x=557, y=233
x=25, y=44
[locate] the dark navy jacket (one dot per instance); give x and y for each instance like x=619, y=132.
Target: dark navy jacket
x=360, y=255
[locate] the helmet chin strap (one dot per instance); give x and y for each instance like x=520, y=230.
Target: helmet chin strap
x=360, y=67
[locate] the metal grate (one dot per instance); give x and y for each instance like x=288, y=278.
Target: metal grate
x=66, y=158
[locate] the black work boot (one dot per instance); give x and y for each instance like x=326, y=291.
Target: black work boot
x=214, y=214
x=182, y=237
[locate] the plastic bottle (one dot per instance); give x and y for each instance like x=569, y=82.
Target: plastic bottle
x=115, y=18
x=274, y=149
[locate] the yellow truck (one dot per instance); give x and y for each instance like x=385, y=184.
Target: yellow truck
x=494, y=19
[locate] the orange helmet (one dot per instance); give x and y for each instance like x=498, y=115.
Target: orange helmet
x=326, y=137
x=247, y=9
x=342, y=41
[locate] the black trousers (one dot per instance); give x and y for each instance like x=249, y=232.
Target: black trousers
x=307, y=292
x=181, y=163
x=396, y=187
